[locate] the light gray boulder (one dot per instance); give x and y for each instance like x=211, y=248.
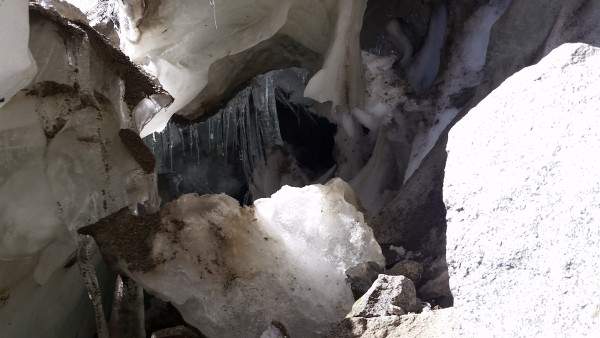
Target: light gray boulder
x=522, y=192
x=440, y=323
x=388, y=296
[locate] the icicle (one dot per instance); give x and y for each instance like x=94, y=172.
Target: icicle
x=164, y=145
x=213, y=5
x=219, y=136
x=170, y=144
x=248, y=125
x=127, y=317
x=197, y=134
x=180, y=130
x=86, y=268
x=210, y=134
x=191, y=138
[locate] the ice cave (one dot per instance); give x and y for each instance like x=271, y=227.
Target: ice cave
x=264, y=168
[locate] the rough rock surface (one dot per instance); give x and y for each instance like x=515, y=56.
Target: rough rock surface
x=389, y=295
x=440, y=323
x=522, y=196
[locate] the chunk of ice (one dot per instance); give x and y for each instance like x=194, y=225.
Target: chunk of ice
x=231, y=271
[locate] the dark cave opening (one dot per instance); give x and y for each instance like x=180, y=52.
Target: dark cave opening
x=307, y=136
x=220, y=154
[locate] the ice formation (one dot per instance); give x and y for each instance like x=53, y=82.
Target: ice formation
x=66, y=161
x=200, y=50
x=422, y=70
x=244, y=133
x=62, y=142
x=464, y=72
x=18, y=66
x=232, y=270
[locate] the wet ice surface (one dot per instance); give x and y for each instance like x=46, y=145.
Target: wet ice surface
x=232, y=270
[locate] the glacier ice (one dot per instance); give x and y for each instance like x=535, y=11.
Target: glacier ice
x=199, y=50
x=18, y=67
x=232, y=270
x=341, y=81
x=64, y=164
x=58, y=308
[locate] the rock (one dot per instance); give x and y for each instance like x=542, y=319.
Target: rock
x=410, y=269
x=231, y=270
x=523, y=207
x=389, y=295
x=440, y=323
x=362, y=276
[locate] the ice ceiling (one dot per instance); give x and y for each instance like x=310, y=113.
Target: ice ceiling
x=238, y=97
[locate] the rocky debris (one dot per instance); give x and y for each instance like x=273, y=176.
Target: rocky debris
x=439, y=323
x=389, y=296
x=410, y=269
x=231, y=270
x=522, y=193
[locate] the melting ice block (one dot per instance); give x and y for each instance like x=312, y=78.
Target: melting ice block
x=232, y=270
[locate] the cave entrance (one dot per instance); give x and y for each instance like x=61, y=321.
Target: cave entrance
x=266, y=136
x=307, y=136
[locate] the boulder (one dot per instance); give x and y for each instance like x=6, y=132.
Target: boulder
x=440, y=323
x=389, y=295
x=521, y=190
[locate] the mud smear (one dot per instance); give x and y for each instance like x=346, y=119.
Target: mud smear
x=122, y=235
x=138, y=150
x=50, y=88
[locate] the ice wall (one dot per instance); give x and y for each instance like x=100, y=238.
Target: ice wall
x=18, y=66
x=66, y=161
